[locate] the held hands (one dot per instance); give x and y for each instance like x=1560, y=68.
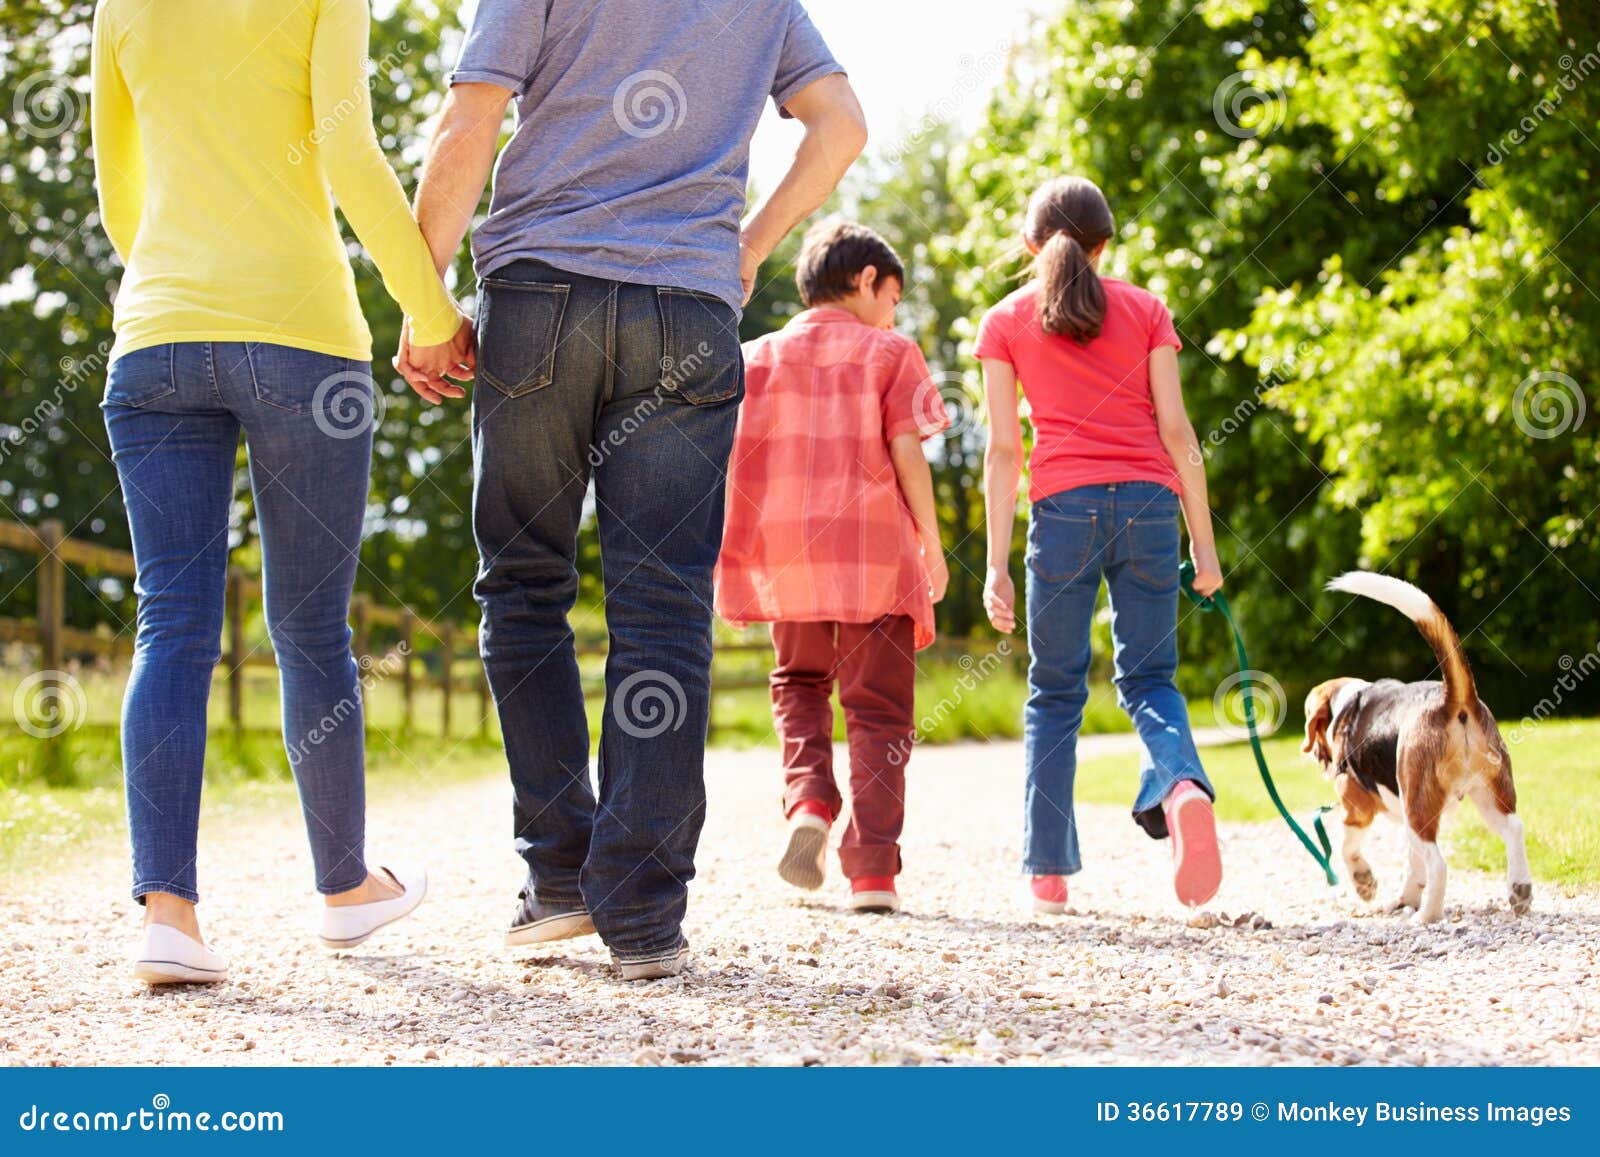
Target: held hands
x=1000, y=600
x=1207, y=572
x=427, y=368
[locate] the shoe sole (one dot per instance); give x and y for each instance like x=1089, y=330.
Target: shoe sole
x=155, y=972
x=874, y=902
x=1197, y=862
x=340, y=945
x=563, y=927
x=1048, y=907
x=803, y=860
x=655, y=969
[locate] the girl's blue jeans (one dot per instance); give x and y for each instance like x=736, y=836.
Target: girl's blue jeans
x=175, y=413
x=1127, y=534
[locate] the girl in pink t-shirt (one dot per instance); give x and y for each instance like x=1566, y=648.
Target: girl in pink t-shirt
x=1114, y=459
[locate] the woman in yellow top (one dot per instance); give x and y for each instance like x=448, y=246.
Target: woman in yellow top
x=221, y=127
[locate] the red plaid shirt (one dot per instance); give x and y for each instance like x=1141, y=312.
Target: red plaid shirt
x=817, y=528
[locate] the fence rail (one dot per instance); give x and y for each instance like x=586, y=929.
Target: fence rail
x=55, y=640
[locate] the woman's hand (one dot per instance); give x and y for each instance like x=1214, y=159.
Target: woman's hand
x=427, y=368
x=1207, y=572
x=1000, y=600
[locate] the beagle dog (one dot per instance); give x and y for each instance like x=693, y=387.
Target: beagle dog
x=1412, y=750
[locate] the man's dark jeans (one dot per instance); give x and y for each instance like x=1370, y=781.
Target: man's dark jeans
x=637, y=387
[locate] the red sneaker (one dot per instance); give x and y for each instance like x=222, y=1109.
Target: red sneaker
x=804, y=860
x=1196, y=862
x=1049, y=895
x=874, y=894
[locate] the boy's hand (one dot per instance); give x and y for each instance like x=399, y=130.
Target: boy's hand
x=938, y=572
x=1000, y=601
x=1207, y=572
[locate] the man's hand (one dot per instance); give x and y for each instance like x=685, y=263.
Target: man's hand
x=750, y=262
x=427, y=369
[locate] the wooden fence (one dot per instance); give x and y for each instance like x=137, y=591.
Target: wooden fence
x=55, y=640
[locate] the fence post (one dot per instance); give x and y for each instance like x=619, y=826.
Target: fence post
x=235, y=608
x=52, y=596
x=447, y=662
x=361, y=629
x=408, y=634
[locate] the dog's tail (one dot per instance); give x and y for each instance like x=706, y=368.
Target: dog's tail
x=1461, y=691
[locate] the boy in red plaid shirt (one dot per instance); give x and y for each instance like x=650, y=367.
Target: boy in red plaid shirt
x=832, y=536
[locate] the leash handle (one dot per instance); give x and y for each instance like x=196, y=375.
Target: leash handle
x=1219, y=602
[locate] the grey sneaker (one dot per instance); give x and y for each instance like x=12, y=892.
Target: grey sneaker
x=670, y=963
x=537, y=923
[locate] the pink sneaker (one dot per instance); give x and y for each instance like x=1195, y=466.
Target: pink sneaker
x=1196, y=862
x=1049, y=895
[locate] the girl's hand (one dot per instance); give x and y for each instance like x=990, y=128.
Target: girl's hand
x=938, y=573
x=1000, y=601
x=1207, y=572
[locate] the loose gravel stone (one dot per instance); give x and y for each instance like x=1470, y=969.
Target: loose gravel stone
x=966, y=974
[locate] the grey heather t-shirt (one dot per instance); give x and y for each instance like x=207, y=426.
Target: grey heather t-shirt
x=634, y=119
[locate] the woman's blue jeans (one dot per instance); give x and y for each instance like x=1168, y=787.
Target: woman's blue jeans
x=1126, y=533
x=174, y=413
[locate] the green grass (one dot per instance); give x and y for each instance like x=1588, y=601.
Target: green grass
x=1557, y=791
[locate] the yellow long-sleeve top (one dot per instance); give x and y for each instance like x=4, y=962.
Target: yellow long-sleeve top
x=220, y=129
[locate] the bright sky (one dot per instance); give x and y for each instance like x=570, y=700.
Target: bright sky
x=905, y=57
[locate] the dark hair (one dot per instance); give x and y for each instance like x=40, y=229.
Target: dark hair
x=833, y=255
x=1067, y=219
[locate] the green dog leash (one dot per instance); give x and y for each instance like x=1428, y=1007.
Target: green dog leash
x=1219, y=602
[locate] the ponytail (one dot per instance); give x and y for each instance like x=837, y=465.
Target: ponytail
x=1072, y=302
x=1067, y=219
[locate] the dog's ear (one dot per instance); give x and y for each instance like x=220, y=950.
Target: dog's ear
x=1319, y=714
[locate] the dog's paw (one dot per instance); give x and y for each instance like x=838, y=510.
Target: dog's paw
x=1403, y=904
x=1521, y=898
x=1366, y=884
x=1422, y=917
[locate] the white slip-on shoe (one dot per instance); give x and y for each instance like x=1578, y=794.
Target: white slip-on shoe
x=349, y=925
x=667, y=964
x=169, y=956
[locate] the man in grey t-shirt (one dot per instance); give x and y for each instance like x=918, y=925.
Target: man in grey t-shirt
x=612, y=268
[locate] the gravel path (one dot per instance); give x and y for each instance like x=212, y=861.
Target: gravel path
x=1282, y=970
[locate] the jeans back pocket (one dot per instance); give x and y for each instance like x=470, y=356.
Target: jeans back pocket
x=141, y=377
x=701, y=358
x=1061, y=546
x=519, y=324
x=1155, y=548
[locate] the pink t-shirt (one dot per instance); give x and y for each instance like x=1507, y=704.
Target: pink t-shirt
x=817, y=528
x=1093, y=417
